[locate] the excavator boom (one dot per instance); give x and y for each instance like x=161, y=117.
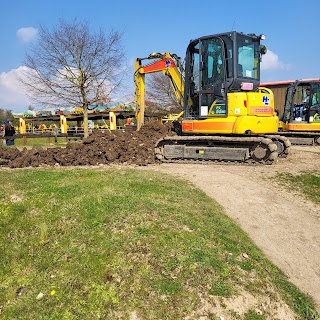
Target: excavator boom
x=167, y=63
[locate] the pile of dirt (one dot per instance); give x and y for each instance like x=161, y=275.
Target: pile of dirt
x=131, y=147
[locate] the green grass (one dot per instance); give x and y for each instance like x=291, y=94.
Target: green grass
x=105, y=244
x=307, y=183
x=252, y=315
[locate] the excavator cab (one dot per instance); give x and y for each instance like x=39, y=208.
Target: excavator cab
x=217, y=65
x=300, y=120
x=314, y=107
x=302, y=102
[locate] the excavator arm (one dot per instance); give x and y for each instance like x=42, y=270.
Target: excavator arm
x=167, y=63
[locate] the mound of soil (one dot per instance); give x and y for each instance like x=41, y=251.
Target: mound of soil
x=131, y=147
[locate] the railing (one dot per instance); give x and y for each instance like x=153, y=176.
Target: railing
x=48, y=135
x=72, y=133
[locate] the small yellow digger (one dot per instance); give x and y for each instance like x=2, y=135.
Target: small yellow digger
x=227, y=116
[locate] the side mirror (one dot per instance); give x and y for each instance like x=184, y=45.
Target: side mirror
x=262, y=49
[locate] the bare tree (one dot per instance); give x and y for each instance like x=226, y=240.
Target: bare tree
x=74, y=66
x=160, y=91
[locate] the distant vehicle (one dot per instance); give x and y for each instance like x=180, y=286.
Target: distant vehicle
x=300, y=119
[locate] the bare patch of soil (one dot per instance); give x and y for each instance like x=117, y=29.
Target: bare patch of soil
x=130, y=147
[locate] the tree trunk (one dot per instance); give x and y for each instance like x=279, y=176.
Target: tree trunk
x=85, y=122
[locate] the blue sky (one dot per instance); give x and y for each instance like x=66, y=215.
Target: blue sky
x=152, y=26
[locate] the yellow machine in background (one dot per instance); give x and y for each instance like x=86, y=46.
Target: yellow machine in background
x=300, y=121
x=226, y=115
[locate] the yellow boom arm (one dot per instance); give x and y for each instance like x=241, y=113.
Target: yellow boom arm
x=166, y=63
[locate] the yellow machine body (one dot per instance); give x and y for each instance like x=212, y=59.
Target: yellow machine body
x=303, y=127
x=246, y=115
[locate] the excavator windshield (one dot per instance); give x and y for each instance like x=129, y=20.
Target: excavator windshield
x=302, y=101
x=248, y=58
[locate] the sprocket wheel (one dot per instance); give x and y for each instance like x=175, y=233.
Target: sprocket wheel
x=265, y=151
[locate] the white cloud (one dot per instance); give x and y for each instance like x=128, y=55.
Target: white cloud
x=27, y=34
x=12, y=91
x=12, y=96
x=271, y=61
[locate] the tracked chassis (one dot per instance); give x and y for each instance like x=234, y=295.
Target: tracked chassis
x=220, y=148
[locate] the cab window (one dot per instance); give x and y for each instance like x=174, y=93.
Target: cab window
x=248, y=58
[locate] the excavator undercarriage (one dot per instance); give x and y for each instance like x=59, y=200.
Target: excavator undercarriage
x=302, y=138
x=219, y=148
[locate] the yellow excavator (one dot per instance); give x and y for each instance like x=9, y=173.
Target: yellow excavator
x=300, y=121
x=226, y=115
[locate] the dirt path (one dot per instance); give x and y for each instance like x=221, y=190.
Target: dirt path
x=283, y=224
